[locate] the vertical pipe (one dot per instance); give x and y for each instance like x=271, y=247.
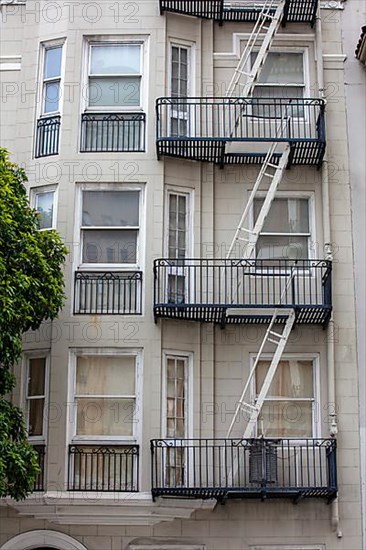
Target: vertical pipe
x=333, y=428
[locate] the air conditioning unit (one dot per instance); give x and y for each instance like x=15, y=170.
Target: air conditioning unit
x=263, y=462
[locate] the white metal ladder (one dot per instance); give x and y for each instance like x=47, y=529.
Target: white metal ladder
x=279, y=339
x=258, y=41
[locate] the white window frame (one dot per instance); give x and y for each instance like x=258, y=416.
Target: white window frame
x=78, y=238
x=180, y=271
x=135, y=438
x=140, y=40
x=188, y=358
x=33, y=195
x=310, y=197
x=305, y=59
x=306, y=72
x=315, y=358
x=189, y=194
x=191, y=62
x=36, y=354
x=44, y=46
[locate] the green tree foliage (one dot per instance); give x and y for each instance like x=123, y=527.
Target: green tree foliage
x=31, y=291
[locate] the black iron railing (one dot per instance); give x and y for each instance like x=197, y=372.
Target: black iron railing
x=201, y=128
x=244, y=468
x=39, y=483
x=48, y=136
x=243, y=11
x=242, y=291
x=103, y=468
x=112, y=132
x=108, y=293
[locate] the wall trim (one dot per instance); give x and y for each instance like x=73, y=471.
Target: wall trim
x=39, y=538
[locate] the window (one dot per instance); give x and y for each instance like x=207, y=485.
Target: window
x=110, y=226
x=106, y=397
x=52, y=69
x=288, y=410
x=178, y=243
x=176, y=397
x=286, y=233
x=176, y=417
x=36, y=393
x=44, y=201
x=282, y=75
x=115, y=76
x=179, y=88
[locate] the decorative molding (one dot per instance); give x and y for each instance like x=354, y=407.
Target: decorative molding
x=93, y=508
x=334, y=61
x=41, y=538
x=332, y=5
x=10, y=62
x=280, y=40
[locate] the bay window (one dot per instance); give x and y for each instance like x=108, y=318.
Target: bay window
x=43, y=199
x=114, y=118
x=110, y=226
x=105, y=397
x=115, y=75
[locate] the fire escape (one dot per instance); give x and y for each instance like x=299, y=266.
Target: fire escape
x=278, y=293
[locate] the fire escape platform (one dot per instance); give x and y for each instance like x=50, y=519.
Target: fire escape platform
x=239, y=130
x=242, y=11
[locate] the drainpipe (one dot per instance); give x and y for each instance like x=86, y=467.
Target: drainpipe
x=328, y=250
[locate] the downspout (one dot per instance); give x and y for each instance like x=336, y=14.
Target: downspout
x=328, y=251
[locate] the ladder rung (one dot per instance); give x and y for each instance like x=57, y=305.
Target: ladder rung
x=276, y=342
x=247, y=406
x=272, y=165
x=273, y=333
x=268, y=175
x=246, y=230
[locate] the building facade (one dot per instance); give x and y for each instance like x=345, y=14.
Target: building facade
x=199, y=389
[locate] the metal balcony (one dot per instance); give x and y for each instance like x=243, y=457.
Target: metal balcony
x=103, y=468
x=47, y=136
x=242, y=291
x=113, y=132
x=39, y=483
x=241, y=11
x=244, y=468
x=108, y=293
x=239, y=130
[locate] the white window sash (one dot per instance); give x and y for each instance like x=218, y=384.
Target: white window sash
x=27, y=398
x=55, y=79
x=115, y=108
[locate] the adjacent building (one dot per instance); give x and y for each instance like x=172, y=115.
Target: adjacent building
x=200, y=388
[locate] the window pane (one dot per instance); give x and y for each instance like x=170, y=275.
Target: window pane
x=116, y=59
x=285, y=216
x=282, y=68
x=281, y=92
x=52, y=65
x=286, y=419
x=105, y=416
x=105, y=375
x=44, y=205
x=110, y=246
x=51, y=98
x=293, y=378
x=35, y=420
x=286, y=248
x=37, y=371
x=109, y=208
x=114, y=91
